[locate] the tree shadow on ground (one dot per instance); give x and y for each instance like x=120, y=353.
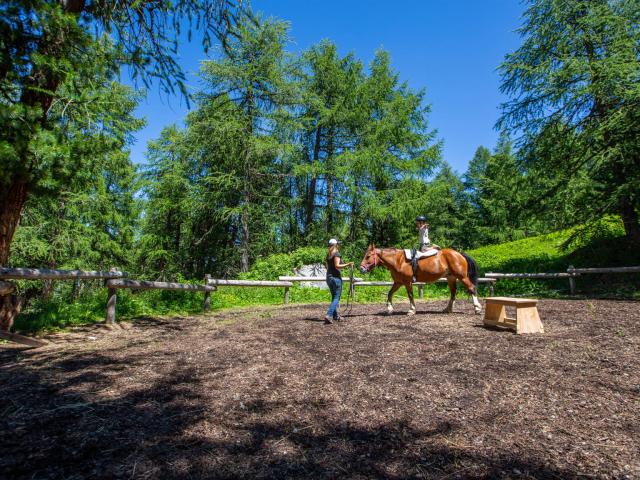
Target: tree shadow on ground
x=64, y=417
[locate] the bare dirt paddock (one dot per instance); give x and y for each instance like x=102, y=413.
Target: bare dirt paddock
x=273, y=393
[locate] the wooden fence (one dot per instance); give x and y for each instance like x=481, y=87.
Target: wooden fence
x=571, y=274
x=358, y=282
x=115, y=279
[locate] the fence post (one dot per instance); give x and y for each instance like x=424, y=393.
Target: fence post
x=491, y=291
x=207, y=295
x=286, y=295
x=111, y=302
x=420, y=292
x=572, y=280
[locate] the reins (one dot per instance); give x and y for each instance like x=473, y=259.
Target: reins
x=351, y=296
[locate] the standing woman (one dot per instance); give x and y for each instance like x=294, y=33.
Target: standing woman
x=334, y=280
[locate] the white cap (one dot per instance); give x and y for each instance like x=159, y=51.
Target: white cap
x=332, y=242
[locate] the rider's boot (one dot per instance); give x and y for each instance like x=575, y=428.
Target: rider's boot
x=414, y=264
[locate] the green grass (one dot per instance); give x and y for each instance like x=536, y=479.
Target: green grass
x=598, y=244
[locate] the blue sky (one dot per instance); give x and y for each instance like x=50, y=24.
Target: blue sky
x=449, y=48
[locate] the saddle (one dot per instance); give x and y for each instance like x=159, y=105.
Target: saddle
x=409, y=253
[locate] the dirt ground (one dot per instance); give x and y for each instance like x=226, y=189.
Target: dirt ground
x=274, y=393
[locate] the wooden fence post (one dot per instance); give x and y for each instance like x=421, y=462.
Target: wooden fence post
x=207, y=295
x=286, y=295
x=491, y=290
x=572, y=280
x=111, y=304
x=420, y=291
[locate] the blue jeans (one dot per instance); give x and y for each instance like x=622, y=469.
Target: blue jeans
x=335, y=287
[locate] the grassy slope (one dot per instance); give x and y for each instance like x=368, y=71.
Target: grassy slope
x=597, y=245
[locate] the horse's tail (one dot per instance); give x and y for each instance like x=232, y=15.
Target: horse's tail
x=472, y=269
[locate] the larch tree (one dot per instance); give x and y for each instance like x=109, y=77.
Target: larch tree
x=54, y=54
x=575, y=91
x=394, y=154
x=254, y=73
x=330, y=86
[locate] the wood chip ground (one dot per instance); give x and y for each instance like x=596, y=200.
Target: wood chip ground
x=274, y=393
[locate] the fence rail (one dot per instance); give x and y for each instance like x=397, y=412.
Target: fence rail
x=571, y=274
x=604, y=270
x=144, y=285
x=359, y=282
x=528, y=275
x=46, y=274
x=248, y=283
x=285, y=278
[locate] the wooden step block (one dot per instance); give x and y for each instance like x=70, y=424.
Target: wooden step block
x=527, y=319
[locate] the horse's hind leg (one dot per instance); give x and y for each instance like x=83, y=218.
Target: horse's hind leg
x=451, y=280
x=471, y=288
x=412, y=308
x=393, y=290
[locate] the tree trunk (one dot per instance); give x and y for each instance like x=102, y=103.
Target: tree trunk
x=630, y=220
x=245, y=217
x=9, y=310
x=355, y=211
x=330, y=180
x=311, y=193
x=12, y=200
x=244, y=241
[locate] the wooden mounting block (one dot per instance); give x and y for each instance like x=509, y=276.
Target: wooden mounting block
x=527, y=319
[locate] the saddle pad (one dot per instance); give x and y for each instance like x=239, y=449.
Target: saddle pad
x=429, y=253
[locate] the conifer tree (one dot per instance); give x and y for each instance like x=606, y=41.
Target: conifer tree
x=575, y=95
x=254, y=74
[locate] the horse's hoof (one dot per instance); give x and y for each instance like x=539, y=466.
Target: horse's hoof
x=411, y=312
x=477, y=311
x=447, y=310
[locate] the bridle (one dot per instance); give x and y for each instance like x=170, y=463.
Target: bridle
x=375, y=259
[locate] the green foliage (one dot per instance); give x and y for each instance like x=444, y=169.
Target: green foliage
x=597, y=244
x=275, y=265
x=575, y=94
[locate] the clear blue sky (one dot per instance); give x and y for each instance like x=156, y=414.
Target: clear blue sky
x=450, y=48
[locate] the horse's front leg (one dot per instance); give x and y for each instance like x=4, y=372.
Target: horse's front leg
x=393, y=290
x=412, y=308
x=451, y=280
x=471, y=288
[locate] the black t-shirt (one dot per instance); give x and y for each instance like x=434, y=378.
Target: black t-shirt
x=332, y=271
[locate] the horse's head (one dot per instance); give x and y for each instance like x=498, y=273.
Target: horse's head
x=370, y=259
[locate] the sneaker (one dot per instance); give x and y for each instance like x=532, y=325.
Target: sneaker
x=327, y=320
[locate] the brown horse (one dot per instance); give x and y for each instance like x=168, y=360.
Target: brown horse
x=446, y=263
